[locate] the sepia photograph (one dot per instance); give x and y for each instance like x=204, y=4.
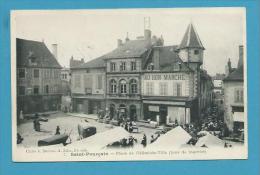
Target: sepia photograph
x=129, y=84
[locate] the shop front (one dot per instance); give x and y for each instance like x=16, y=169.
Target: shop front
x=168, y=112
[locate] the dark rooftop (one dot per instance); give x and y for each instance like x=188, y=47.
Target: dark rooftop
x=237, y=75
x=191, y=39
x=130, y=49
x=95, y=63
x=35, y=51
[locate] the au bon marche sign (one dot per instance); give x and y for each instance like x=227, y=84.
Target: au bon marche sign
x=164, y=77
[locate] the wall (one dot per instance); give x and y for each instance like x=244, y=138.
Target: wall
x=86, y=82
x=128, y=64
x=47, y=76
x=170, y=79
x=229, y=100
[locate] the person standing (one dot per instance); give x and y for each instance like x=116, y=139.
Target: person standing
x=21, y=115
x=144, y=141
x=57, y=130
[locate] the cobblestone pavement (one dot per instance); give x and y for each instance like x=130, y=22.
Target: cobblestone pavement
x=67, y=123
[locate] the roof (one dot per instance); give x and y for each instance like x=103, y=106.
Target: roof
x=210, y=141
x=205, y=75
x=75, y=63
x=174, y=138
x=95, y=63
x=169, y=57
x=130, y=49
x=102, y=139
x=191, y=39
x=237, y=75
x=26, y=49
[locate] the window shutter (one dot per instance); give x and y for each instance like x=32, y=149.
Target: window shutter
x=174, y=89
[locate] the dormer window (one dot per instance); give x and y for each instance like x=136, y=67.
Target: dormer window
x=113, y=67
x=196, y=52
x=150, y=66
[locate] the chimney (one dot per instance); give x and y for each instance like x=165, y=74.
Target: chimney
x=119, y=43
x=55, y=50
x=241, y=56
x=147, y=34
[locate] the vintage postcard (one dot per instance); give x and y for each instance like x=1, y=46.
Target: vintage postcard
x=129, y=84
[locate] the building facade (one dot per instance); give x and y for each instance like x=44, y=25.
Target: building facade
x=38, y=78
x=145, y=80
x=234, y=96
x=88, y=87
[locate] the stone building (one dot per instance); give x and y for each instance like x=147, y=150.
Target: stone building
x=144, y=79
x=88, y=86
x=234, y=96
x=174, y=87
x=38, y=78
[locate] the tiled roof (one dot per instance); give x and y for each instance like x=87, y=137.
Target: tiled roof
x=28, y=49
x=191, y=39
x=237, y=75
x=130, y=49
x=95, y=63
x=168, y=57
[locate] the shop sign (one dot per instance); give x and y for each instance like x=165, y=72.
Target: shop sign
x=164, y=77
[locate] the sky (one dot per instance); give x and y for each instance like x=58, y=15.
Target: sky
x=89, y=34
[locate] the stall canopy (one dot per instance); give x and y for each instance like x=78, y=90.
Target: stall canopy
x=238, y=116
x=102, y=139
x=174, y=138
x=210, y=140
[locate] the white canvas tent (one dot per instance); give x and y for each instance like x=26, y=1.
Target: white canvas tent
x=174, y=138
x=210, y=141
x=102, y=139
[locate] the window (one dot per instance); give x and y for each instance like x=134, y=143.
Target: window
x=150, y=66
x=133, y=66
x=239, y=96
x=36, y=73
x=196, y=52
x=133, y=86
x=113, y=67
x=113, y=86
x=77, y=83
x=179, y=89
x=163, y=88
x=149, y=88
x=36, y=90
x=123, y=87
x=122, y=66
x=47, y=89
x=99, y=82
x=21, y=90
x=21, y=73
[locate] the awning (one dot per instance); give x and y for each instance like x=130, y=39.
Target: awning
x=238, y=117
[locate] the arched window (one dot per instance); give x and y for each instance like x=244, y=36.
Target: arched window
x=133, y=86
x=113, y=86
x=123, y=87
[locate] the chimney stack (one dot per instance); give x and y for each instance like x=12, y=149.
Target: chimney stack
x=241, y=56
x=119, y=43
x=147, y=34
x=55, y=50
